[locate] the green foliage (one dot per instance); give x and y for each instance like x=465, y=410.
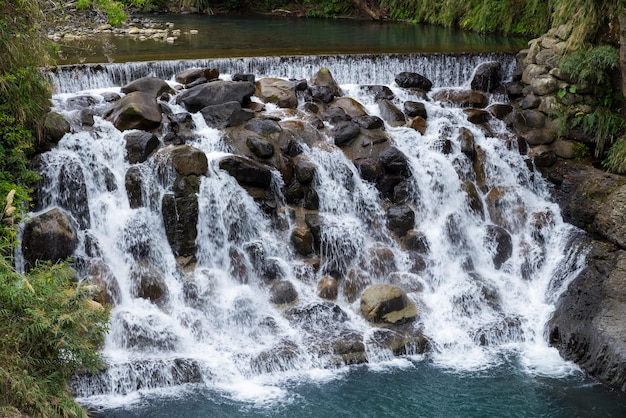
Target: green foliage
x=511, y=16
x=616, y=158
x=328, y=8
x=49, y=332
x=593, y=66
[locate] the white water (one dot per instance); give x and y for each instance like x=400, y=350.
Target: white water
x=221, y=331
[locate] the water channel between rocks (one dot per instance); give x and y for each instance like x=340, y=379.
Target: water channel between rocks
x=487, y=255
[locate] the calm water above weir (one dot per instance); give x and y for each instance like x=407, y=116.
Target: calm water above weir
x=220, y=36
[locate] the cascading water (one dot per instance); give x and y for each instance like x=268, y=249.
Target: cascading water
x=212, y=323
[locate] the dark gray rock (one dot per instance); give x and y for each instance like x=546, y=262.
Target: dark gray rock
x=224, y=115
x=49, y=236
x=215, y=93
x=139, y=146
x=413, y=80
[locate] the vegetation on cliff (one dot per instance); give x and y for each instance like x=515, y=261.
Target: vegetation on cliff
x=48, y=330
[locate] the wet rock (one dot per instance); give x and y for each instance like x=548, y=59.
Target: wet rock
x=385, y=303
x=473, y=198
x=381, y=260
x=539, y=136
x=462, y=98
x=243, y=77
x=351, y=107
x=500, y=110
x=400, y=219
x=610, y=221
x=305, y=171
x=418, y=123
x=302, y=240
x=55, y=127
x=477, y=116
x=327, y=288
x=505, y=207
x=415, y=241
x=226, y=114
x=400, y=342
x=238, y=268
x=133, y=181
x=542, y=156
x=192, y=74
x=98, y=273
x=335, y=115
x=81, y=102
x=324, y=78
x=354, y=283
x=180, y=217
x=247, y=172
x=215, y=93
x=278, y=91
x=369, y=122
x=412, y=109
x=486, y=77
x=282, y=292
x=379, y=92
x=370, y=169
x=139, y=146
x=260, y=147
x=263, y=127
x=148, y=283
x=503, y=248
x=466, y=140
x=136, y=110
x=49, y=236
x=588, y=326
x=344, y=132
x=152, y=86
x=413, y=80
x=395, y=162
x=390, y=113
x=185, y=159
x=321, y=94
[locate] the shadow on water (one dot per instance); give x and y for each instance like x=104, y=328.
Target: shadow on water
x=220, y=36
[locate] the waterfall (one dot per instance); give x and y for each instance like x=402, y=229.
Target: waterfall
x=441, y=69
x=483, y=270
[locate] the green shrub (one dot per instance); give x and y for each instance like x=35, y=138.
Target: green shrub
x=49, y=332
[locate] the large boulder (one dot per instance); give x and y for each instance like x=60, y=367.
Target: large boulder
x=610, y=221
x=185, y=160
x=247, y=172
x=215, y=93
x=136, y=110
x=152, y=86
x=581, y=191
x=324, y=78
x=139, y=146
x=221, y=116
x=387, y=304
x=413, y=80
x=192, y=74
x=55, y=126
x=49, y=236
x=180, y=217
x=486, y=77
x=462, y=98
x=278, y=91
x=588, y=325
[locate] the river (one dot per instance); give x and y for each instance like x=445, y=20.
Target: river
x=228, y=352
